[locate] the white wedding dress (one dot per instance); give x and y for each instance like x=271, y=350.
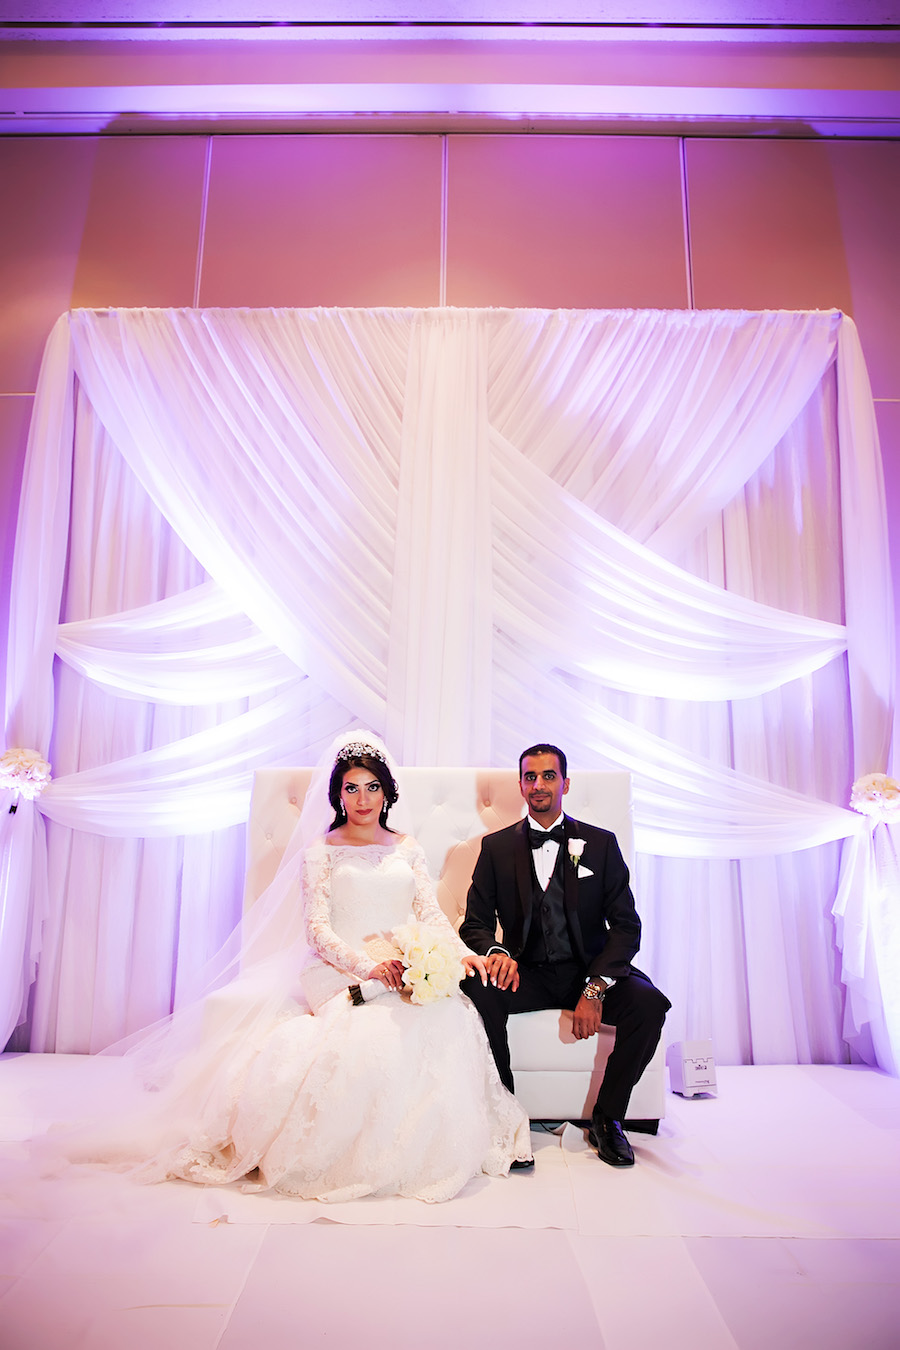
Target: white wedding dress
x=385, y=1098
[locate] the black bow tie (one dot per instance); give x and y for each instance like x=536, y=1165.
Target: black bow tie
x=537, y=838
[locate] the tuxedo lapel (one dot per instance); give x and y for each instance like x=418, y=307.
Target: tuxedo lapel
x=570, y=886
x=524, y=875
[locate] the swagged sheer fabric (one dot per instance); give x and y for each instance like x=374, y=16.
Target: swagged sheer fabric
x=658, y=538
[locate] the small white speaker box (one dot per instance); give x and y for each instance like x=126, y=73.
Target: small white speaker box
x=692, y=1068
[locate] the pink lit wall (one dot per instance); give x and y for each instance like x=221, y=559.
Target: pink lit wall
x=571, y=221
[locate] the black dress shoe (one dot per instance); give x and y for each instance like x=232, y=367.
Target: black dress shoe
x=607, y=1138
x=520, y=1164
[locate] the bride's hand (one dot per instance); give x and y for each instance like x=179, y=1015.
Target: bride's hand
x=390, y=973
x=475, y=966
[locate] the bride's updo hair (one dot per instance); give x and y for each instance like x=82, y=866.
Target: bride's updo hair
x=361, y=757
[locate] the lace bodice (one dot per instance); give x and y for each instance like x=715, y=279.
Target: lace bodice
x=352, y=895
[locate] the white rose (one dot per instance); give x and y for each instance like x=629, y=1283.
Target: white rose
x=576, y=848
x=425, y=993
x=25, y=771
x=876, y=795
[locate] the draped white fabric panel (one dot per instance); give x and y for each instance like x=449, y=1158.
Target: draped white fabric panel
x=664, y=631
x=658, y=538
x=191, y=648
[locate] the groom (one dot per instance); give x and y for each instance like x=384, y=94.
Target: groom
x=559, y=890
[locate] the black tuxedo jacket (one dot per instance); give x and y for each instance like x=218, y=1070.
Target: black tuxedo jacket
x=603, y=923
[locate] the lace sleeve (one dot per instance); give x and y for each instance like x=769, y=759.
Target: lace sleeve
x=320, y=935
x=425, y=905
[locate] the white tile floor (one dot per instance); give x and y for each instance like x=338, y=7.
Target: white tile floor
x=766, y=1217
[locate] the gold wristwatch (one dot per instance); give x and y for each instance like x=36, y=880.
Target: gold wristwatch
x=594, y=990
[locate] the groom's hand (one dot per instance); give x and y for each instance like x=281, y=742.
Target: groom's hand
x=586, y=1018
x=502, y=971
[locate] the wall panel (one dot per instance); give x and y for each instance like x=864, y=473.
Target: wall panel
x=565, y=222
x=143, y=223
x=765, y=226
x=888, y=417
x=867, y=182
x=15, y=415
x=323, y=220
x=46, y=187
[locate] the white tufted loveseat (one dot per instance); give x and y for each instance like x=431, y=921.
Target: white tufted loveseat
x=448, y=810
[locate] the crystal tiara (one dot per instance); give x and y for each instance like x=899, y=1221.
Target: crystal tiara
x=356, y=748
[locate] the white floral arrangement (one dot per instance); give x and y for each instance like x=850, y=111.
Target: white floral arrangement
x=575, y=849
x=24, y=771
x=433, y=965
x=876, y=795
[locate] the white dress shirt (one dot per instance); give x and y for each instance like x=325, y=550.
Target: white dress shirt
x=544, y=858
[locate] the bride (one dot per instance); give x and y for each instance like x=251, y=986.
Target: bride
x=374, y=1094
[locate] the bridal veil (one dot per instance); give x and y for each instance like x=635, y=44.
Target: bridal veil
x=175, y=1067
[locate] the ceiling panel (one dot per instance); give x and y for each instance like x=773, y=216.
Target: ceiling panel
x=711, y=12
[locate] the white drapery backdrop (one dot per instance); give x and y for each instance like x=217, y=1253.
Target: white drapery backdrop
x=657, y=538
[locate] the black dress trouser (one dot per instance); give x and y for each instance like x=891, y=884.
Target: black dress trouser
x=634, y=1006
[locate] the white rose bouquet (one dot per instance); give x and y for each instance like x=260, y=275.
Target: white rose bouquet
x=24, y=771
x=876, y=795
x=433, y=966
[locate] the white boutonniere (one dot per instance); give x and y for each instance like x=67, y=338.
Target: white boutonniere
x=575, y=848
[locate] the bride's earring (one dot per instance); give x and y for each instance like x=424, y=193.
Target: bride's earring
x=342, y=814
